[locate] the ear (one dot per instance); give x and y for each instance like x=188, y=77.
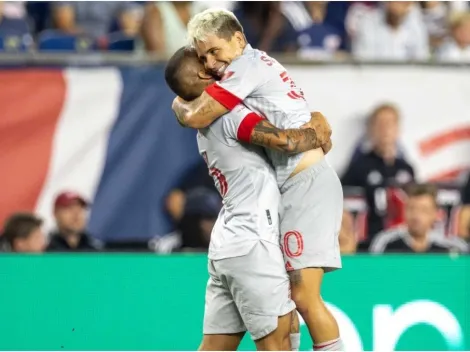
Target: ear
x=202, y=74
x=240, y=38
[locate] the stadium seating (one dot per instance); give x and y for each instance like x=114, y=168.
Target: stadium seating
x=118, y=41
x=52, y=40
x=14, y=42
x=14, y=35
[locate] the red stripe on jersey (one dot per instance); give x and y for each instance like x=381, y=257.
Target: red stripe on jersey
x=223, y=96
x=247, y=125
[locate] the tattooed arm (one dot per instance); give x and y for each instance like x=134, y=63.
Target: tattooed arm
x=198, y=113
x=290, y=141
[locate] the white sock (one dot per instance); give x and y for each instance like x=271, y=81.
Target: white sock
x=333, y=345
x=295, y=341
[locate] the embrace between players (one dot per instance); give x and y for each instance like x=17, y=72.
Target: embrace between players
x=277, y=233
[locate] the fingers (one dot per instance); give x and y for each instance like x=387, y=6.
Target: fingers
x=327, y=147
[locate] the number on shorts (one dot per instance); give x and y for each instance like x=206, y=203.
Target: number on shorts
x=300, y=244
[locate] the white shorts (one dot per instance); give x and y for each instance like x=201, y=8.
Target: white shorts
x=311, y=212
x=247, y=293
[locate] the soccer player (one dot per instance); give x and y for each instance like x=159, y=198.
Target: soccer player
x=248, y=288
x=312, y=198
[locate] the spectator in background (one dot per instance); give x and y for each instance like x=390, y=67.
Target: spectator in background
x=164, y=25
x=381, y=171
x=14, y=26
x=435, y=19
x=391, y=32
x=70, y=215
x=417, y=236
x=194, y=229
x=196, y=177
x=95, y=18
x=348, y=242
x=464, y=218
x=23, y=234
x=457, y=47
x=316, y=38
x=265, y=27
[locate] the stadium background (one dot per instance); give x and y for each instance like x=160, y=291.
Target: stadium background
x=99, y=123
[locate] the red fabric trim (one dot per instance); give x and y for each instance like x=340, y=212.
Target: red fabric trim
x=223, y=96
x=247, y=126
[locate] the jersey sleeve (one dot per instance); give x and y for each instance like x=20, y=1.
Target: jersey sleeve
x=240, y=122
x=240, y=79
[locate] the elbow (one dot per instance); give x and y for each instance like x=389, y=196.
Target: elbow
x=194, y=121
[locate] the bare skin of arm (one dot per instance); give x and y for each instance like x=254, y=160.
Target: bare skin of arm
x=290, y=141
x=152, y=30
x=294, y=141
x=199, y=113
x=464, y=222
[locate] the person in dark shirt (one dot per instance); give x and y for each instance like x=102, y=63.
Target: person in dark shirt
x=194, y=229
x=70, y=215
x=196, y=177
x=265, y=27
x=381, y=172
x=316, y=37
x=15, y=34
x=418, y=235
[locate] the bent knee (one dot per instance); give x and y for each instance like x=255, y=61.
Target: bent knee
x=306, y=299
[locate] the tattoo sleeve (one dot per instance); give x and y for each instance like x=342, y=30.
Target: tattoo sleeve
x=290, y=141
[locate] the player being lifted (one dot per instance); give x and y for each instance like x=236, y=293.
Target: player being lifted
x=248, y=288
x=311, y=193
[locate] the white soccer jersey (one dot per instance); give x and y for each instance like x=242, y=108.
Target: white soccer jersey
x=264, y=86
x=246, y=181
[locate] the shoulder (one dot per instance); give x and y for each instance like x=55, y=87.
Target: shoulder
x=383, y=239
x=451, y=243
x=247, y=59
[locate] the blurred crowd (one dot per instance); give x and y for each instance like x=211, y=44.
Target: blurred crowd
x=401, y=214
x=322, y=30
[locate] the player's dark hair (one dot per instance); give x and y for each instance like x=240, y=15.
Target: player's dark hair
x=174, y=71
x=20, y=225
x=422, y=189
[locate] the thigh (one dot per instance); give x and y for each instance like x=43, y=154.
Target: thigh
x=222, y=342
x=311, y=220
x=221, y=315
x=260, y=287
x=306, y=285
x=279, y=339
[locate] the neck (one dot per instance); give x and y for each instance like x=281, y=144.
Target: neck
x=419, y=242
x=73, y=240
x=392, y=21
x=387, y=154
